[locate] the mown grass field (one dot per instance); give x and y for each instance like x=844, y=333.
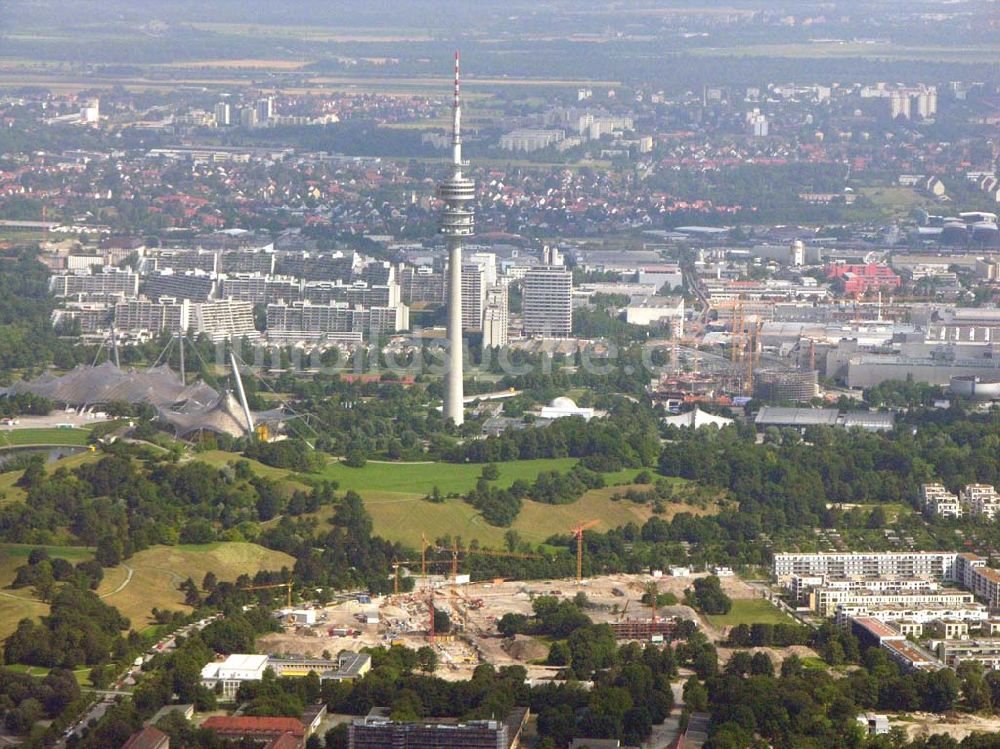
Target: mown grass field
x=156, y=573
x=421, y=478
x=750, y=611
x=49, y=436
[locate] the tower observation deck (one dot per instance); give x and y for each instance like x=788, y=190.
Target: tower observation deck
x=457, y=223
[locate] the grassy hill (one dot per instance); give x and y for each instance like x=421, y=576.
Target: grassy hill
x=18, y=604
x=393, y=494
x=147, y=580
x=157, y=571
x=11, y=493
x=409, y=478
x=404, y=517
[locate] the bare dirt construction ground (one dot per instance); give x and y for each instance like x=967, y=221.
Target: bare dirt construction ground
x=920, y=725
x=474, y=610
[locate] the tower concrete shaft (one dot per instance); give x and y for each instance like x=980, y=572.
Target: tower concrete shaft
x=457, y=224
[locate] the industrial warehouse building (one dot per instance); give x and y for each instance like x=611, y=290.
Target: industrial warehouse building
x=803, y=418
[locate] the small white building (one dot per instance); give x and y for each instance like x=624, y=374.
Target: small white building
x=875, y=725
x=680, y=571
x=722, y=571
x=304, y=616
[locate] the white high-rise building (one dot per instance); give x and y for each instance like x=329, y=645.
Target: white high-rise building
x=496, y=318
x=473, y=297
x=265, y=109
x=223, y=115
x=548, y=302
x=479, y=274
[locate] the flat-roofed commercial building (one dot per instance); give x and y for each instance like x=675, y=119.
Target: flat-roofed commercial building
x=377, y=731
x=828, y=600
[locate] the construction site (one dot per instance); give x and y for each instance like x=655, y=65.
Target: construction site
x=473, y=610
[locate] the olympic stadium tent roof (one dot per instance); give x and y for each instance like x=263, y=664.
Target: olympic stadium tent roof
x=223, y=416
x=106, y=383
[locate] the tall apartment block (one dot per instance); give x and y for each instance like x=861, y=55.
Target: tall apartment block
x=548, y=302
x=496, y=318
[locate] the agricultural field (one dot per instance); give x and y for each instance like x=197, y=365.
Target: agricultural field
x=858, y=50
x=750, y=611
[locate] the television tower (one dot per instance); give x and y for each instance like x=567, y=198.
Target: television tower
x=457, y=223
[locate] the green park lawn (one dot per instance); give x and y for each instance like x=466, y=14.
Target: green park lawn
x=750, y=611
x=47, y=436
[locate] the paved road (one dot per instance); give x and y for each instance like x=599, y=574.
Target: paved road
x=126, y=581
x=108, y=696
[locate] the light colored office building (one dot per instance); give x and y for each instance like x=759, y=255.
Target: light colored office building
x=915, y=613
x=233, y=671
x=547, y=308
x=496, y=317
x=829, y=600
x=473, y=297
x=527, y=140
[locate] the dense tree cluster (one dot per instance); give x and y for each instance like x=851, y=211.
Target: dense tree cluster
x=621, y=443
x=27, y=339
x=79, y=629
x=24, y=699
x=792, y=483
x=42, y=572
x=133, y=498
x=707, y=596
x=292, y=453
x=501, y=506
